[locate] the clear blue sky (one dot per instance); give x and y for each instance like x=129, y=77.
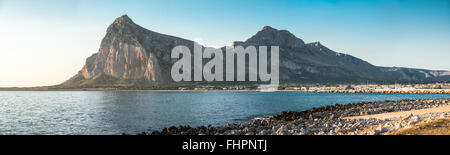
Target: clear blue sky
x=45, y=42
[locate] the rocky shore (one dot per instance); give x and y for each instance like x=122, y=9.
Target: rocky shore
x=327, y=120
x=387, y=91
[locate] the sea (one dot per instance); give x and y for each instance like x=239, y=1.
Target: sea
x=133, y=112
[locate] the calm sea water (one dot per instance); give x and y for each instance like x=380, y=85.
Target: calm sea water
x=117, y=112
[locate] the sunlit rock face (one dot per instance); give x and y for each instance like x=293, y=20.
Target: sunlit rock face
x=129, y=55
x=122, y=54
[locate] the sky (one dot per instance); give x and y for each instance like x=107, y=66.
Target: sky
x=45, y=42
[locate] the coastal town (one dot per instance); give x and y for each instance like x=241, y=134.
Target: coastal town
x=434, y=88
x=430, y=88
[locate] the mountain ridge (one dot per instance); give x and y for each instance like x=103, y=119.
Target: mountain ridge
x=130, y=55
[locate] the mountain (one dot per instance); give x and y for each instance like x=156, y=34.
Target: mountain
x=131, y=55
x=315, y=63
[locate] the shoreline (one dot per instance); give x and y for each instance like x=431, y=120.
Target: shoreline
x=421, y=91
x=407, y=88
x=329, y=120
x=388, y=91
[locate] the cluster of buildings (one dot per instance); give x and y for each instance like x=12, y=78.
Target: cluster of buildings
x=377, y=87
x=355, y=88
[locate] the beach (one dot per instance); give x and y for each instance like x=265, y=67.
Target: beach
x=365, y=118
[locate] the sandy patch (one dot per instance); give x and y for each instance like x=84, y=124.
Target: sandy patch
x=402, y=114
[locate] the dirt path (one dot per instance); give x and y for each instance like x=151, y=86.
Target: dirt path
x=403, y=113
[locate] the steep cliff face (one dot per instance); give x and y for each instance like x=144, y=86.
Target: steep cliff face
x=122, y=55
x=131, y=55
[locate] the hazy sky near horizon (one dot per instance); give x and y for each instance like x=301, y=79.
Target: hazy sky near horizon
x=45, y=42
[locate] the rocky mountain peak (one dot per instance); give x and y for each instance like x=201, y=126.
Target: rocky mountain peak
x=268, y=28
x=124, y=30
x=124, y=24
x=270, y=36
x=122, y=20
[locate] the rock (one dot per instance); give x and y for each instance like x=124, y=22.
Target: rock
x=320, y=125
x=129, y=51
x=381, y=129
